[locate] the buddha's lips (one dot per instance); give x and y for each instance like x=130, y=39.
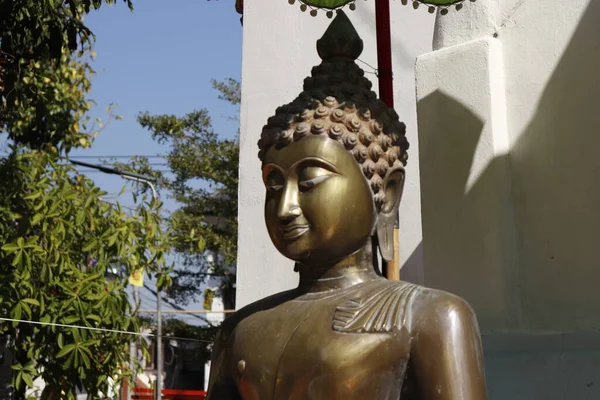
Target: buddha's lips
x=293, y=231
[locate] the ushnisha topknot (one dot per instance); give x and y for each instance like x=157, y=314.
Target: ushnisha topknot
x=337, y=101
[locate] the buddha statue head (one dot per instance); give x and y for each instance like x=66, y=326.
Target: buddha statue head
x=333, y=160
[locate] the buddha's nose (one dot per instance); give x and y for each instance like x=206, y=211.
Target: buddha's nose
x=289, y=207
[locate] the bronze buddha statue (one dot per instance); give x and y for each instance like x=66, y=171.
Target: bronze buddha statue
x=333, y=166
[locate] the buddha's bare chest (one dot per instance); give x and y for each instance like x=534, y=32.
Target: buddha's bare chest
x=292, y=352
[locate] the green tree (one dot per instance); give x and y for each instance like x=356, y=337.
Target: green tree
x=42, y=86
x=204, y=183
x=57, y=236
x=59, y=239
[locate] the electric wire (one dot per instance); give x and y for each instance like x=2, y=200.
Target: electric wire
x=90, y=328
x=120, y=156
x=375, y=70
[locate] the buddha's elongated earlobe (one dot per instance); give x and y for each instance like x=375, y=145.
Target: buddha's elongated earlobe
x=393, y=185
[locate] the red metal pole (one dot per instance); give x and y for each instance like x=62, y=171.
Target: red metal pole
x=384, y=51
x=391, y=270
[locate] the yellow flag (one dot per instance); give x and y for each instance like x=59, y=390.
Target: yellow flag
x=137, y=277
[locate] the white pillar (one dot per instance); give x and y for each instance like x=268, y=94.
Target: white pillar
x=507, y=110
x=468, y=221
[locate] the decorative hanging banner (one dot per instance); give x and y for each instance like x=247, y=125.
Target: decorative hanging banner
x=209, y=295
x=137, y=277
x=332, y=5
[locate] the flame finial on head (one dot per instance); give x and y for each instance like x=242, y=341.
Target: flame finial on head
x=340, y=39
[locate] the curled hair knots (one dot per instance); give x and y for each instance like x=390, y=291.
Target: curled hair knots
x=338, y=115
x=376, y=182
x=279, y=120
x=360, y=153
x=365, y=137
x=375, y=127
x=318, y=127
x=302, y=130
x=287, y=136
x=392, y=114
x=349, y=106
x=368, y=168
x=381, y=167
x=350, y=140
x=375, y=151
x=322, y=112
x=306, y=115
x=392, y=155
x=305, y=96
x=364, y=113
x=353, y=123
x=350, y=90
x=330, y=102
x=383, y=142
x=336, y=131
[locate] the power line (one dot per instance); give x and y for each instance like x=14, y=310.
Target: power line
x=121, y=156
x=107, y=156
x=96, y=171
x=150, y=164
x=89, y=328
x=187, y=312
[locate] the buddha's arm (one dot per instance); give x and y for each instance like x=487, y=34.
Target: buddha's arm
x=446, y=355
x=221, y=385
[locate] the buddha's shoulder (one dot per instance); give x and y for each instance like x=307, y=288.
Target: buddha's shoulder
x=432, y=309
x=387, y=306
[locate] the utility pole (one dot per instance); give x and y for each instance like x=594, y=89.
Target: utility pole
x=133, y=344
x=150, y=181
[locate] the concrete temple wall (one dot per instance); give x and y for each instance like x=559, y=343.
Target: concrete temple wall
x=508, y=135
x=279, y=51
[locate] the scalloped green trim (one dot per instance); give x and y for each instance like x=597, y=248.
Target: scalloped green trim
x=334, y=5
x=441, y=3
x=327, y=4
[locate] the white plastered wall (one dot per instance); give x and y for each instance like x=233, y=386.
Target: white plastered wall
x=510, y=188
x=508, y=127
x=279, y=50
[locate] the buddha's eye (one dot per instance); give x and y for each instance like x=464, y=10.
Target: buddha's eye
x=274, y=181
x=310, y=177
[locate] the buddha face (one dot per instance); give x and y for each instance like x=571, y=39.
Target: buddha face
x=319, y=207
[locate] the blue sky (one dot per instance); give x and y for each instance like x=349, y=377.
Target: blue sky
x=160, y=59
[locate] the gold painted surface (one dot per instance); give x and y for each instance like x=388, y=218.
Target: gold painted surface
x=345, y=332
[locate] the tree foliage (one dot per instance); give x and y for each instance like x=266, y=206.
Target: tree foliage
x=204, y=183
x=42, y=86
x=57, y=237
